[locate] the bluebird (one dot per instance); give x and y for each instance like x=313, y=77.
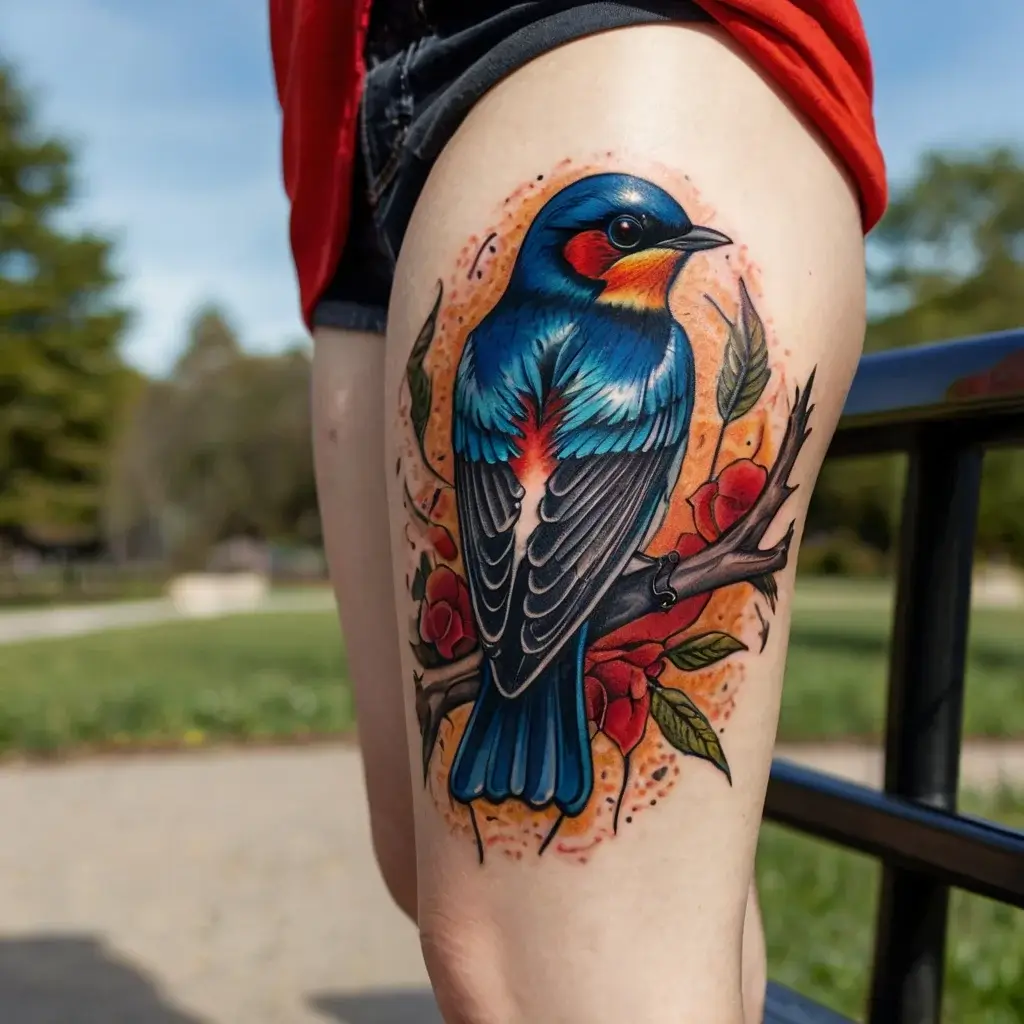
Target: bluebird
x=571, y=412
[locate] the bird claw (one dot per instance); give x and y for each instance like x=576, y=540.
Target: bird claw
x=665, y=594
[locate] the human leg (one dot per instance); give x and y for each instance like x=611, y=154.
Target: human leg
x=634, y=908
x=348, y=438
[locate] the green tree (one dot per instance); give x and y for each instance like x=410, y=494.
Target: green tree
x=220, y=449
x=949, y=254
x=212, y=346
x=61, y=376
x=948, y=262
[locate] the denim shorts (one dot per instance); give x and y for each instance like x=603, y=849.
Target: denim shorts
x=422, y=81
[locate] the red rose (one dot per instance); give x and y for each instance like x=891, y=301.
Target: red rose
x=720, y=503
x=617, y=695
x=446, y=619
x=442, y=542
x=618, y=665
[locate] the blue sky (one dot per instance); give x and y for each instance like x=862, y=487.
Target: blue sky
x=172, y=112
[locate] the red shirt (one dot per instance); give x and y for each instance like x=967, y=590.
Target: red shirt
x=815, y=50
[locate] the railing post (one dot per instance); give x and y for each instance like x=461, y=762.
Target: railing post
x=923, y=728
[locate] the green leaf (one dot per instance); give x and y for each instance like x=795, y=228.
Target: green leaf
x=420, y=386
x=698, y=652
x=745, y=371
x=685, y=727
x=419, y=581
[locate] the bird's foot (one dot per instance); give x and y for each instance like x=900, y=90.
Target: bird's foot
x=665, y=594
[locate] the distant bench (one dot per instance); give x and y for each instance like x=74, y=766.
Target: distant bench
x=942, y=405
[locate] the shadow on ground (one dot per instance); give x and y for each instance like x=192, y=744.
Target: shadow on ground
x=74, y=979
x=379, y=1007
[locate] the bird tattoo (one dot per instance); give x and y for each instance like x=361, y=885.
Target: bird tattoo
x=571, y=412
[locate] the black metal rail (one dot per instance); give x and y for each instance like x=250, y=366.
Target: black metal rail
x=941, y=404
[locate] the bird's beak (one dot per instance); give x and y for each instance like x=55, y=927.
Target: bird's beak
x=695, y=239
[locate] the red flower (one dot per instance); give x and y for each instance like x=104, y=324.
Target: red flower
x=618, y=665
x=617, y=695
x=446, y=619
x=720, y=503
x=442, y=542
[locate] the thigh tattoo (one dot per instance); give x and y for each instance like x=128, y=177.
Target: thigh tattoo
x=595, y=438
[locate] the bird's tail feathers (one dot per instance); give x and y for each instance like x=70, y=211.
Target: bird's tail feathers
x=534, y=747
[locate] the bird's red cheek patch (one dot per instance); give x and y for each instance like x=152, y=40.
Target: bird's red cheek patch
x=590, y=253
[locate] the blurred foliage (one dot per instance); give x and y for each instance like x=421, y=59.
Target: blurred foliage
x=221, y=449
x=94, y=452
x=841, y=553
x=61, y=378
x=947, y=261
x=838, y=660
x=81, y=582
x=950, y=251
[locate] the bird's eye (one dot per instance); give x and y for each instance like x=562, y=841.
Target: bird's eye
x=625, y=232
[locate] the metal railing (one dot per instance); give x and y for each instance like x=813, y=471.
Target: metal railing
x=942, y=405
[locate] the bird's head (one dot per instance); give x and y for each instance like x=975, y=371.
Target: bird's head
x=613, y=237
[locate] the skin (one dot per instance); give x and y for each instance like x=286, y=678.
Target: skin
x=663, y=925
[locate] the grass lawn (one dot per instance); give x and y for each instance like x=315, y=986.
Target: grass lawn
x=819, y=910
x=838, y=660
x=247, y=676
x=283, y=674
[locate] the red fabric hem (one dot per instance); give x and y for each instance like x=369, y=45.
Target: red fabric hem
x=823, y=64
x=815, y=50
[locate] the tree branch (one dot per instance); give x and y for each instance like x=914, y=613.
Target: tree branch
x=736, y=557
x=439, y=692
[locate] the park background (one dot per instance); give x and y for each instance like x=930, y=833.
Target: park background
x=185, y=837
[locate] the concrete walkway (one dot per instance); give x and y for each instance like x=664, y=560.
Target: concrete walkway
x=985, y=766
x=235, y=888
x=76, y=620
x=226, y=887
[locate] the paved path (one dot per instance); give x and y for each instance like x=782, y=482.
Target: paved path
x=76, y=620
x=985, y=765
x=229, y=887
x=236, y=888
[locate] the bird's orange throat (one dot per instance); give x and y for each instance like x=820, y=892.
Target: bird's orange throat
x=536, y=459
x=641, y=280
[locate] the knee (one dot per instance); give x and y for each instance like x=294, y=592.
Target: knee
x=461, y=959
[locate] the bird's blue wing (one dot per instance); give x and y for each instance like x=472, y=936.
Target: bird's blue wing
x=489, y=499
x=483, y=416
x=625, y=414
x=505, y=364
x=499, y=371
x=593, y=518
x=628, y=394
x=628, y=386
